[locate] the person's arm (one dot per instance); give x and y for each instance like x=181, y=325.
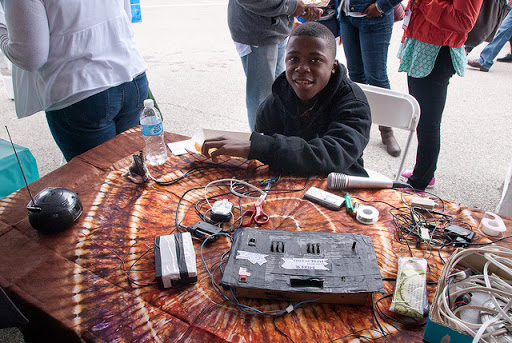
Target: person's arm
x=225, y=146
x=379, y=7
x=272, y=8
x=25, y=40
x=459, y=16
x=335, y=150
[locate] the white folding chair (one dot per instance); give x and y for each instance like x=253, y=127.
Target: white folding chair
x=394, y=109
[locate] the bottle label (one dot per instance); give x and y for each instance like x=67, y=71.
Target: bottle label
x=152, y=130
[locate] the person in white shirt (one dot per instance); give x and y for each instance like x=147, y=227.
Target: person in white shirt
x=77, y=61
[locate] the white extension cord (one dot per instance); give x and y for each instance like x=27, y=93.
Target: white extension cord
x=496, y=320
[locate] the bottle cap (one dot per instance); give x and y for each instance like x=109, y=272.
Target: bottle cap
x=149, y=103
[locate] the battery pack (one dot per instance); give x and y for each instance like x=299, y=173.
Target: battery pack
x=175, y=260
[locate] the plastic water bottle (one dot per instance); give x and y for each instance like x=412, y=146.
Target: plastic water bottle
x=153, y=132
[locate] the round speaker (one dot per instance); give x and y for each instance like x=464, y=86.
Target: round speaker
x=54, y=209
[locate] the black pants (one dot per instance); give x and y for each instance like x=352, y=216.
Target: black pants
x=430, y=91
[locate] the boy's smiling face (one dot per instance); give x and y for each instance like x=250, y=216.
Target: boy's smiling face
x=309, y=65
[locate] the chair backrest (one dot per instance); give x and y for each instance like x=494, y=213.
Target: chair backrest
x=394, y=109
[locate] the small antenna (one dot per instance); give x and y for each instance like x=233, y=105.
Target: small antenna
x=19, y=163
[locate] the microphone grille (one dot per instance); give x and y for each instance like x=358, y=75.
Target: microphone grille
x=337, y=181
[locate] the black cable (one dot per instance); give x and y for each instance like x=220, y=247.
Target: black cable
x=421, y=191
x=373, y=201
x=468, y=244
x=282, y=190
x=414, y=323
x=439, y=253
x=180, y=227
x=138, y=259
x=280, y=331
x=384, y=334
x=293, y=189
x=122, y=259
x=492, y=242
x=411, y=221
x=193, y=170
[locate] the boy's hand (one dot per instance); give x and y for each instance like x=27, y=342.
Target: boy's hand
x=225, y=146
x=372, y=11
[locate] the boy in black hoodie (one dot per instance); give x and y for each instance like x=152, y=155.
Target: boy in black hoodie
x=316, y=120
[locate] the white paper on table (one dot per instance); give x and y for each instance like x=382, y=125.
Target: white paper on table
x=189, y=147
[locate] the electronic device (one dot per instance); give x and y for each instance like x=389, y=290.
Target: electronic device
x=326, y=199
x=52, y=210
x=459, y=235
x=343, y=181
x=175, y=260
x=137, y=172
x=221, y=211
x=425, y=203
x=203, y=230
x=300, y=265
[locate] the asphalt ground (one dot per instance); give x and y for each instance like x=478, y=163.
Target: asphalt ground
x=198, y=82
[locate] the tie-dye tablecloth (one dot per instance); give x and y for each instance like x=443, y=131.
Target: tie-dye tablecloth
x=73, y=286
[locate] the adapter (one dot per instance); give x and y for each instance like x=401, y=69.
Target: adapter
x=425, y=203
x=204, y=230
x=221, y=211
x=459, y=235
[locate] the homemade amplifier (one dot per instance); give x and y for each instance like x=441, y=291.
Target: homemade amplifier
x=299, y=265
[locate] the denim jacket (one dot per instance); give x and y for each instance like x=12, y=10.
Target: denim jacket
x=360, y=5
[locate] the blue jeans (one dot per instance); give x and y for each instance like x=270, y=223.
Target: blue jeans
x=366, y=42
x=261, y=67
x=492, y=49
x=98, y=118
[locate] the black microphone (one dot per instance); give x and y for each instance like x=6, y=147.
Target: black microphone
x=343, y=181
